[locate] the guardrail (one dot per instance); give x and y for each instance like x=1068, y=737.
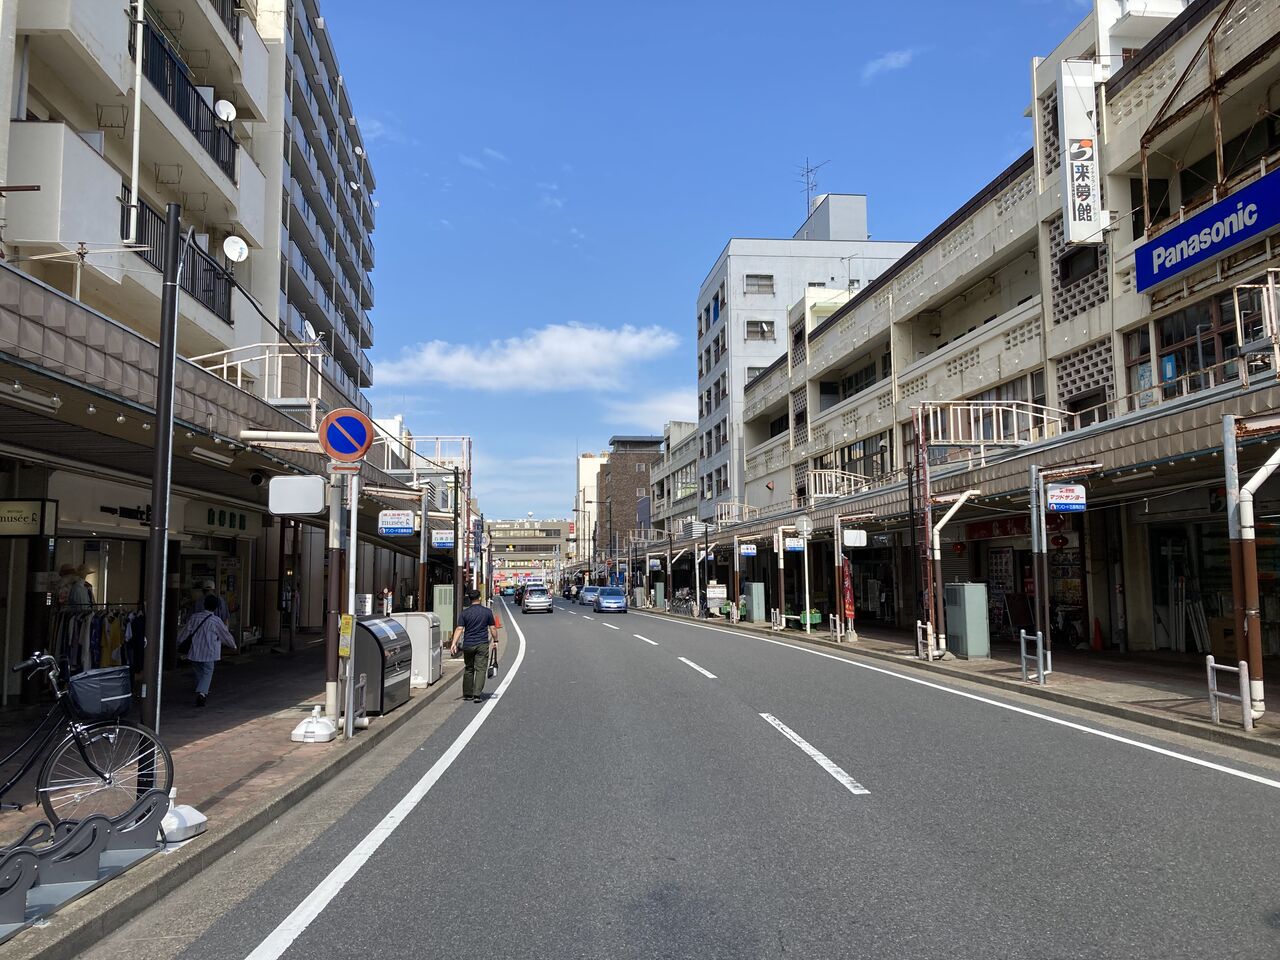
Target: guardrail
x=1038, y=658
x=1246, y=704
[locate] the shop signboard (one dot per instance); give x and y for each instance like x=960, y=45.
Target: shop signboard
x=442, y=539
x=854, y=538
x=1245, y=214
x=747, y=549
x=395, y=523
x=1065, y=497
x=717, y=593
x=655, y=563
x=794, y=544
x=28, y=518
x=1082, y=213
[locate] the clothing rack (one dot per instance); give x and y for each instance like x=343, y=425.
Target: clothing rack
x=90, y=635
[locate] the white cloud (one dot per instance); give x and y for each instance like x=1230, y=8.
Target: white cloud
x=375, y=129
x=549, y=201
x=893, y=60
x=447, y=224
x=547, y=186
x=508, y=487
x=472, y=162
x=493, y=154
x=558, y=357
x=648, y=412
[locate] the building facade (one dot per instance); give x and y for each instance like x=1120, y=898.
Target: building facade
x=622, y=494
x=742, y=314
x=586, y=505
x=673, y=478
x=525, y=549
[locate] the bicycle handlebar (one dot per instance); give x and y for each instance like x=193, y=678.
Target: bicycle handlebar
x=36, y=660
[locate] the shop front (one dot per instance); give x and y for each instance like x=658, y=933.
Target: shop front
x=220, y=554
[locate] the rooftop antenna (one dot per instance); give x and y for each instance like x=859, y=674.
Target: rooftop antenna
x=809, y=177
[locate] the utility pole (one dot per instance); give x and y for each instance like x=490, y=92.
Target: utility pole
x=333, y=597
x=457, y=547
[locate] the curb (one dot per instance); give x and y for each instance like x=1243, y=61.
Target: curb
x=1223, y=736
x=70, y=932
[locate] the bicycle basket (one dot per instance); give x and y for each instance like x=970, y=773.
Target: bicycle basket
x=104, y=694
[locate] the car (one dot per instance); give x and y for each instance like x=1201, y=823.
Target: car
x=537, y=600
x=508, y=591
x=587, y=595
x=611, y=600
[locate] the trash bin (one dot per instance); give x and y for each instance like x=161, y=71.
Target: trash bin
x=384, y=654
x=426, y=635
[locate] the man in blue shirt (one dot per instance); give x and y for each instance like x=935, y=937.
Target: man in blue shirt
x=477, y=634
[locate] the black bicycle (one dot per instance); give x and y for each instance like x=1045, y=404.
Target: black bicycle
x=104, y=763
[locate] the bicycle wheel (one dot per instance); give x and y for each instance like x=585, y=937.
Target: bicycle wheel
x=132, y=760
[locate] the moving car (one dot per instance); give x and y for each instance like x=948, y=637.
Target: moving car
x=508, y=591
x=587, y=594
x=537, y=600
x=611, y=600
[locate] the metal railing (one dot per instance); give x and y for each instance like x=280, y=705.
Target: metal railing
x=1044, y=666
x=1242, y=698
x=287, y=373
x=226, y=11
x=169, y=75
x=733, y=511
x=202, y=276
x=828, y=484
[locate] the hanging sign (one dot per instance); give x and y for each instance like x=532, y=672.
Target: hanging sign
x=1082, y=214
x=854, y=538
x=28, y=518
x=395, y=523
x=747, y=549
x=345, y=435
x=794, y=544
x=442, y=539
x=1065, y=497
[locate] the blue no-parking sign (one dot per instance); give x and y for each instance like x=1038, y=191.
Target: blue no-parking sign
x=345, y=435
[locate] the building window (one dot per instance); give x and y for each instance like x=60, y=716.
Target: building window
x=854, y=283
x=753, y=372
x=817, y=283
x=1158, y=190
x=760, y=330
x=1077, y=264
x=759, y=283
x=640, y=492
x=641, y=467
x=777, y=425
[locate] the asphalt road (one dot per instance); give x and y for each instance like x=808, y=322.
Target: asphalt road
x=646, y=788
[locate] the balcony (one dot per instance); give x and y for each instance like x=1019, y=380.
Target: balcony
x=366, y=370
x=170, y=76
x=301, y=379
x=202, y=276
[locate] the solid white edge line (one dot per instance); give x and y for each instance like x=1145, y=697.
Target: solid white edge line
x=1069, y=724
x=645, y=639
x=702, y=670
x=821, y=759
x=283, y=936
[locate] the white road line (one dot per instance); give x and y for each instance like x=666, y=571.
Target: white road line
x=705, y=673
x=821, y=759
x=585, y=617
x=645, y=639
x=609, y=625
x=1069, y=724
x=283, y=936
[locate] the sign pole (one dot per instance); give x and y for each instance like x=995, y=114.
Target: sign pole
x=334, y=595
x=353, y=507
x=457, y=548
x=424, y=556
x=804, y=556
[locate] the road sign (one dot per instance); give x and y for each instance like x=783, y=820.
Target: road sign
x=747, y=549
x=804, y=526
x=395, y=523
x=345, y=435
x=794, y=544
x=442, y=539
x=1065, y=497
x=346, y=627
x=297, y=496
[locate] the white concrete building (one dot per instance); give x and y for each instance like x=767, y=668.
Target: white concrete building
x=742, y=320
x=585, y=495
x=673, y=480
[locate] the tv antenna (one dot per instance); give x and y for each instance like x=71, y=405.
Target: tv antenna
x=809, y=177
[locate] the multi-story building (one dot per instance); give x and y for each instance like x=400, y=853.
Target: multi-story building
x=622, y=493
x=522, y=549
x=1114, y=330
x=673, y=478
x=742, y=320
x=586, y=504
x=201, y=103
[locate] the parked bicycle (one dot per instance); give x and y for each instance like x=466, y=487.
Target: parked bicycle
x=683, y=602
x=103, y=763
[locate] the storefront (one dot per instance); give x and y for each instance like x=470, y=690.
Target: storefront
x=220, y=553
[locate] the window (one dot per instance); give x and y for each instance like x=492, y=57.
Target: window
x=1158, y=191
x=854, y=284
x=760, y=330
x=1077, y=264
x=642, y=467
x=777, y=425
x=640, y=492
x=759, y=283
x=817, y=283
x=753, y=372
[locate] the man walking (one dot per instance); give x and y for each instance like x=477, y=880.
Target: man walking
x=477, y=634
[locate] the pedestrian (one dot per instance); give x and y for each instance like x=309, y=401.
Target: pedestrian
x=205, y=635
x=477, y=635
x=220, y=605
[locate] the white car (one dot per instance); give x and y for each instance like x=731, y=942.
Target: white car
x=537, y=600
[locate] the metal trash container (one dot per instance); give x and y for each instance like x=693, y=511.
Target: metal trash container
x=427, y=638
x=968, y=631
x=384, y=654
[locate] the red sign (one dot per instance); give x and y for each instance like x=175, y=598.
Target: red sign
x=1019, y=526
x=850, y=607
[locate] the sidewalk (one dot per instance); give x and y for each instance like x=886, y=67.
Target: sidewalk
x=1170, y=695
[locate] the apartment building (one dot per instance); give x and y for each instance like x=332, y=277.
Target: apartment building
x=586, y=502
x=1115, y=328
x=210, y=92
x=623, y=497
x=741, y=320
x=522, y=549
x=673, y=478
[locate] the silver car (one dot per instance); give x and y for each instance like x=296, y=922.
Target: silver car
x=537, y=600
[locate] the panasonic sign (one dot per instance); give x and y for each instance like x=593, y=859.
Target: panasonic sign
x=1211, y=233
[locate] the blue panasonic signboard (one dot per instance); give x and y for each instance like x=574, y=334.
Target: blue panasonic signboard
x=1210, y=233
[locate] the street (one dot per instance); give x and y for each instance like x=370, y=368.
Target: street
x=642, y=787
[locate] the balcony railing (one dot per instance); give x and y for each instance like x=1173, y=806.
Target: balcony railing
x=226, y=11
x=169, y=75
x=202, y=276
x=828, y=484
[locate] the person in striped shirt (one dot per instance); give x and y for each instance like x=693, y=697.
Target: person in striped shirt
x=207, y=635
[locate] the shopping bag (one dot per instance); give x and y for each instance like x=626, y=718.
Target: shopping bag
x=493, y=663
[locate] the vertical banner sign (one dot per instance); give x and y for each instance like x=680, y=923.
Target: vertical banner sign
x=846, y=590
x=1082, y=216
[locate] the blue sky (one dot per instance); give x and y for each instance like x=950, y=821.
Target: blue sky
x=556, y=178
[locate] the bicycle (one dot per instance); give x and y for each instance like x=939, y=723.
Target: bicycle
x=682, y=603
x=104, y=763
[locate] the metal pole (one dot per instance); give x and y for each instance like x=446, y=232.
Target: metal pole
x=1231, y=463
x=782, y=579
x=333, y=592
x=353, y=510
x=737, y=578
x=837, y=549
x=1252, y=600
x=457, y=549
x=424, y=555
x=161, y=470
x=1035, y=541
x=804, y=556
x=697, y=587
x=667, y=578
x=1042, y=598
x=135, y=198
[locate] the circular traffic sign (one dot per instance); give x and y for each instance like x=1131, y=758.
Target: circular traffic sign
x=345, y=435
x=804, y=525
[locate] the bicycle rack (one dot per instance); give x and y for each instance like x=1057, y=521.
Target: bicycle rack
x=52, y=866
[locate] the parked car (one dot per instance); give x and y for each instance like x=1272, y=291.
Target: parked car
x=611, y=600
x=508, y=591
x=587, y=595
x=537, y=600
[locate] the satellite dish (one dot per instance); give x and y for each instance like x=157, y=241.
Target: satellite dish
x=235, y=249
x=309, y=331
x=359, y=151
x=225, y=110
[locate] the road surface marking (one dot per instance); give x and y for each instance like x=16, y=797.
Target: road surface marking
x=283, y=936
x=705, y=673
x=585, y=617
x=1069, y=724
x=821, y=759
x=609, y=625
x=645, y=639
